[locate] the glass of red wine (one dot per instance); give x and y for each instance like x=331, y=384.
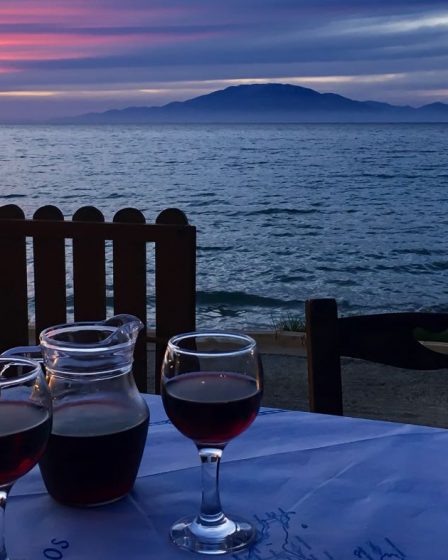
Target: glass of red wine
x=25, y=424
x=212, y=384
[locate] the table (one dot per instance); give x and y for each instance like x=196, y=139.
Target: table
x=318, y=487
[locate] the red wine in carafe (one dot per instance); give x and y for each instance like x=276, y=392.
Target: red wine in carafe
x=211, y=408
x=24, y=429
x=93, y=453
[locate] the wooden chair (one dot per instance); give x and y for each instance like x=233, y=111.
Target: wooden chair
x=386, y=338
x=51, y=256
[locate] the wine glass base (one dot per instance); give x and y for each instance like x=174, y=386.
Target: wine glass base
x=230, y=535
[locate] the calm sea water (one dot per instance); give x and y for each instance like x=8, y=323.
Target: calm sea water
x=283, y=212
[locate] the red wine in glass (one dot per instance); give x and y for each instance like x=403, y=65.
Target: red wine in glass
x=211, y=408
x=24, y=430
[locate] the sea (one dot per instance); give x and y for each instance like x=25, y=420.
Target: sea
x=358, y=212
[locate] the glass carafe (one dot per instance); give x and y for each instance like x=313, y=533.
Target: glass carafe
x=100, y=420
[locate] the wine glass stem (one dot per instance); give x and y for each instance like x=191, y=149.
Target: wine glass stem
x=211, y=512
x=4, y=491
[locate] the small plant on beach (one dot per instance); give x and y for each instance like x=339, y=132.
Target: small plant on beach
x=289, y=323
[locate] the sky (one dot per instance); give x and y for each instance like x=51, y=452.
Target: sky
x=68, y=57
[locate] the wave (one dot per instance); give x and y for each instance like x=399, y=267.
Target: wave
x=421, y=252
x=437, y=308
x=238, y=299
x=114, y=195
x=206, y=249
x=287, y=211
x=413, y=268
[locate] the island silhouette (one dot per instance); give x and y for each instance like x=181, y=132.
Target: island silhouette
x=266, y=103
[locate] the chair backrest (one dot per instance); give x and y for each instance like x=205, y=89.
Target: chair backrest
x=174, y=285
x=386, y=338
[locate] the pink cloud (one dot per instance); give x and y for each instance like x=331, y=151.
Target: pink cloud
x=58, y=30
x=14, y=12
x=85, y=12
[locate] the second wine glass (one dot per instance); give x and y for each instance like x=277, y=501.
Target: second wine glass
x=25, y=424
x=212, y=384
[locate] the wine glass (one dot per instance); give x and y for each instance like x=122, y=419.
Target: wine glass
x=25, y=424
x=212, y=384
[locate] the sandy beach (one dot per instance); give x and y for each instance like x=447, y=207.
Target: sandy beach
x=370, y=390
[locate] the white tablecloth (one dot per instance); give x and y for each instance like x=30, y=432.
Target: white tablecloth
x=318, y=488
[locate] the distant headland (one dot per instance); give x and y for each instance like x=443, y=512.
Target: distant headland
x=267, y=103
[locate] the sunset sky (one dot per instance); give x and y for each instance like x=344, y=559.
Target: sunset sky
x=65, y=57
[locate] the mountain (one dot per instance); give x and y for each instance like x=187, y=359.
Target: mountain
x=439, y=110
x=266, y=103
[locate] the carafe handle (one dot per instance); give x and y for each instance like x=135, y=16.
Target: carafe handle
x=127, y=325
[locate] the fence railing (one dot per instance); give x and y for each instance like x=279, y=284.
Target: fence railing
x=68, y=260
